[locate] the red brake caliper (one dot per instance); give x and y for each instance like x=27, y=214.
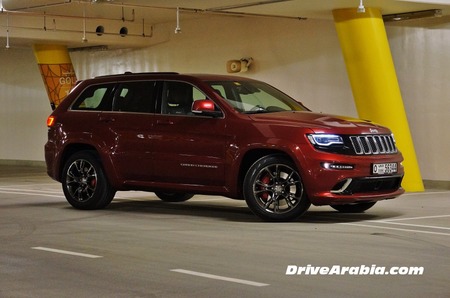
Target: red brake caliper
x=93, y=182
x=265, y=195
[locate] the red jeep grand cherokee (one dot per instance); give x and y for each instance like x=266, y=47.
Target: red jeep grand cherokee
x=179, y=135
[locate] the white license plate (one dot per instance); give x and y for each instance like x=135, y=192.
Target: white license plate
x=384, y=168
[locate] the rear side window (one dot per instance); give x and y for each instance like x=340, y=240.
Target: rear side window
x=96, y=98
x=136, y=97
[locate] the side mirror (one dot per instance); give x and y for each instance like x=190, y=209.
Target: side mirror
x=205, y=107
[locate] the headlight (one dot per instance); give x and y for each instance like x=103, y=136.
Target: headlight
x=325, y=140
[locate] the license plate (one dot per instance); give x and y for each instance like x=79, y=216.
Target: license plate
x=384, y=168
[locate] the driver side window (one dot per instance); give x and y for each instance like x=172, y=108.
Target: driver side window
x=177, y=98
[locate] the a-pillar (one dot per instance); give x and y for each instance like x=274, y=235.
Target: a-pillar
x=373, y=80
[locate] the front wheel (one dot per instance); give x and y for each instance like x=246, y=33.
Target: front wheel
x=353, y=208
x=84, y=182
x=273, y=189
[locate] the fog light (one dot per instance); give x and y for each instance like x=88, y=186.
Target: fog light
x=337, y=166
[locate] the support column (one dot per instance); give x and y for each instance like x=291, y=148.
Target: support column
x=56, y=70
x=374, y=82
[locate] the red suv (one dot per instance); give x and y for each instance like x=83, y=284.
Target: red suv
x=179, y=135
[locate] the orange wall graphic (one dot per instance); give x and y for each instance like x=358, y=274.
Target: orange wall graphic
x=57, y=71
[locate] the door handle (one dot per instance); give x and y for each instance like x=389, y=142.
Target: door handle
x=106, y=119
x=164, y=122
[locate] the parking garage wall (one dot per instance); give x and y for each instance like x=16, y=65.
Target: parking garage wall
x=421, y=52
x=24, y=106
x=302, y=58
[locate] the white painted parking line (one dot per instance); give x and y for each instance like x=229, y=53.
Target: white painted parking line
x=31, y=190
x=217, y=277
x=28, y=185
x=410, y=225
x=419, y=217
x=31, y=193
x=395, y=221
x=66, y=252
x=398, y=229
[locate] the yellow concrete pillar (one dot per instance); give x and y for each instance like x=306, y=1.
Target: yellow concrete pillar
x=374, y=82
x=56, y=70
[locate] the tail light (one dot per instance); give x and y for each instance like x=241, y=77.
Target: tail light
x=50, y=121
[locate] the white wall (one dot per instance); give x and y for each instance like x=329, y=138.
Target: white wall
x=302, y=58
x=422, y=60
x=24, y=106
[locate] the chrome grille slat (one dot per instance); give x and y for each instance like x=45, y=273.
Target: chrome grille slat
x=379, y=140
x=373, y=144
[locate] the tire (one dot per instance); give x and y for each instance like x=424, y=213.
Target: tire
x=273, y=190
x=84, y=182
x=173, y=196
x=353, y=208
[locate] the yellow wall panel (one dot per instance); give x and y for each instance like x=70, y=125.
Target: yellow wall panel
x=56, y=70
x=374, y=82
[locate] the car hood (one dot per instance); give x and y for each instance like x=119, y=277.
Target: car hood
x=321, y=123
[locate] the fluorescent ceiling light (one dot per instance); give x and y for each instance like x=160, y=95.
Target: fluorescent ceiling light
x=431, y=13
x=244, y=5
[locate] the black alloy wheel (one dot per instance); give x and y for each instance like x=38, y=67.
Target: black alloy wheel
x=273, y=189
x=84, y=183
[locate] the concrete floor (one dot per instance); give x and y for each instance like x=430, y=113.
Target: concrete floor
x=212, y=246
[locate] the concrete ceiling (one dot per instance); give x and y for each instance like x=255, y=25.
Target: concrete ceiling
x=31, y=21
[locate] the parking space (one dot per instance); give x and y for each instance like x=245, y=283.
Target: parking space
x=215, y=247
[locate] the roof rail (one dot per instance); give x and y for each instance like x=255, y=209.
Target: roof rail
x=138, y=73
x=151, y=72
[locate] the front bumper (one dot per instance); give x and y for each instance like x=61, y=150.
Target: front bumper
x=352, y=186
x=360, y=190
x=352, y=181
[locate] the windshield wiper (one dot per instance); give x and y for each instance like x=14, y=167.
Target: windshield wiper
x=258, y=112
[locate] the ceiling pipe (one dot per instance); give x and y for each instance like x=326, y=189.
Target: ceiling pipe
x=146, y=35
x=62, y=16
x=178, y=29
x=244, y=5
x=7, y=31
x=84, y=39
x=6, y=3
x=212, y=11
x=361, y=8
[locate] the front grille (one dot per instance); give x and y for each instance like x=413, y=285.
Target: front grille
x=373, y=144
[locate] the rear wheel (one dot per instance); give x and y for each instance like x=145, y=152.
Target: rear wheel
x=173, y=196
x=84, y=182
x=273, y=189
x=353, y=208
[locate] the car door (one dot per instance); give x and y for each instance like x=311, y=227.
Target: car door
x=127, y=130
x=188, y=149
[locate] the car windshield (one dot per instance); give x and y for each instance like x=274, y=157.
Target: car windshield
x=251, y=97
